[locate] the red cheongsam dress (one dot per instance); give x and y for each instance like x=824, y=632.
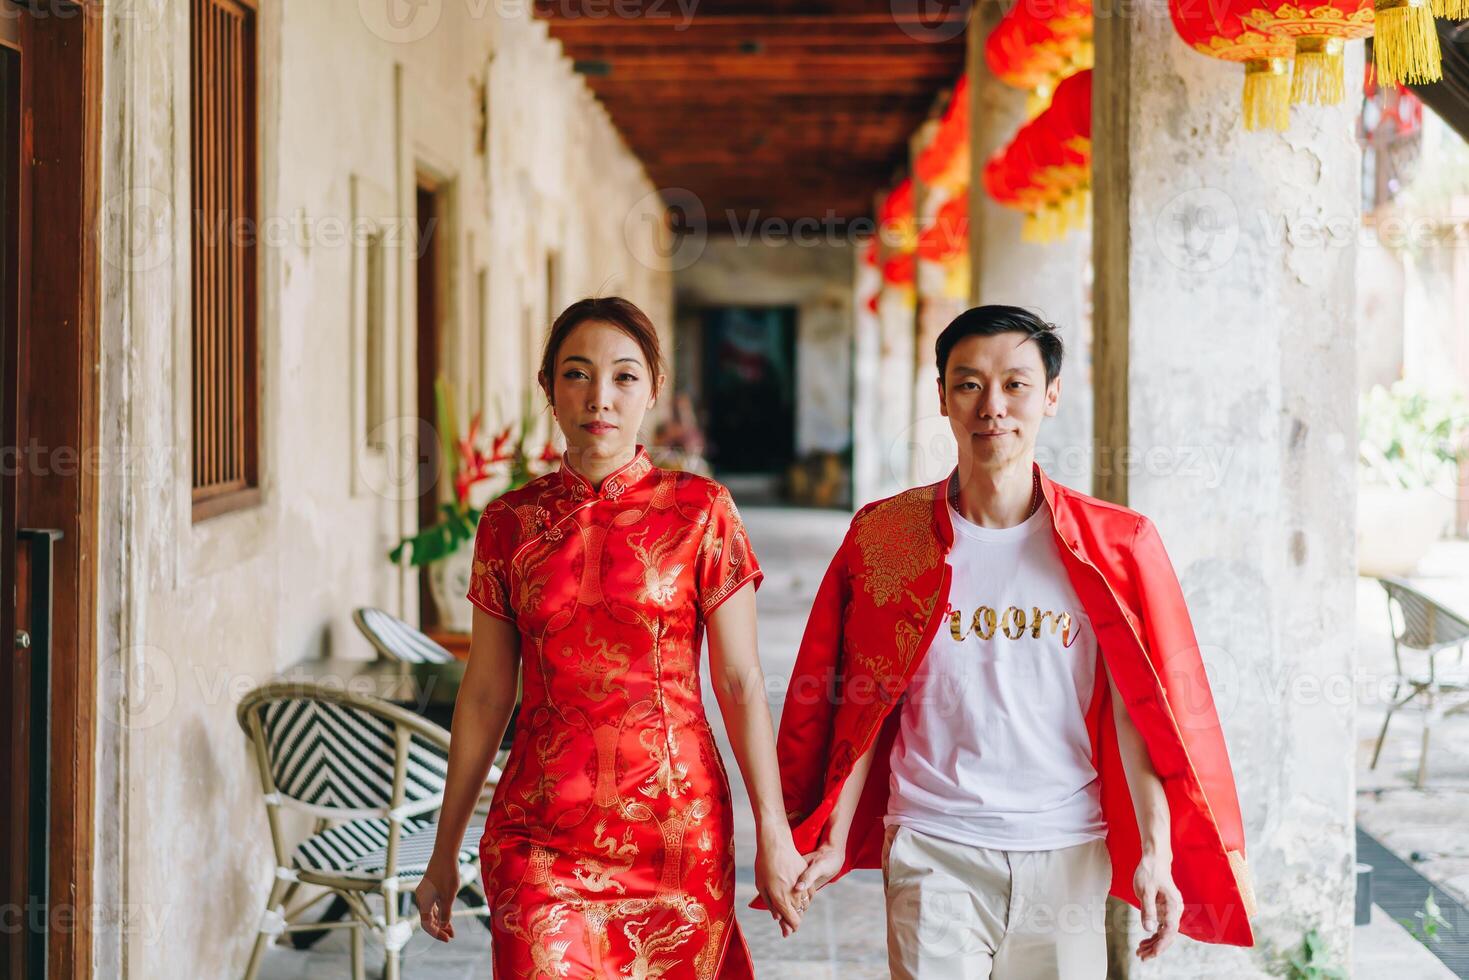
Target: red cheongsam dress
x=609, y=849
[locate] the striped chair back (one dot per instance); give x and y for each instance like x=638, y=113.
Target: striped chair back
x=1422, y=624
x=396, y=640
x=339, y=755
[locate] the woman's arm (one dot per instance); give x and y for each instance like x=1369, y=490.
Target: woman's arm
x=1162, y=905
x=739, y=687
x=823, y=863
x=481, y=711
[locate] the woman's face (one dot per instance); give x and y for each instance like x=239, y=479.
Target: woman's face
x=601, y=390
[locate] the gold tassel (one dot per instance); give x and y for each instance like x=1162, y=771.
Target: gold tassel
x=1404, y=42
x=1038, y=100
x=1030, y=227
x=1267, y=93
x=1451, y=9
x=1319, y=74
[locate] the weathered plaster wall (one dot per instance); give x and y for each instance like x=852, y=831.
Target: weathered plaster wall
x=1234, y=299
x=196, y=614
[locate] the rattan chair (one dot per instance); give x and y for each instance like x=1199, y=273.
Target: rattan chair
x=397, y=640
x=373, y=775
x=1426, y=628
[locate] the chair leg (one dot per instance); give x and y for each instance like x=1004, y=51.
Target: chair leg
x=1382, y=735
x=390, y=947
x=264, y=936
x=359, y=968
x=1422, y=775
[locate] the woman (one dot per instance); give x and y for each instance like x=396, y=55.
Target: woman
x=609, y=848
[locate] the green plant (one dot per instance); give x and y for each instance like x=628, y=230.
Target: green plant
x=1308, y=963
x=1410, y=437
x=507, y=463
x=1427, y=921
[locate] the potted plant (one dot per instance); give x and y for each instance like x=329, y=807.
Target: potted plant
x=1411, y=445
x=480, y=473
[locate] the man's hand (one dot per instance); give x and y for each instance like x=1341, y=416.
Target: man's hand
x=822, y=866
x=1162, y=905
x=777, y=866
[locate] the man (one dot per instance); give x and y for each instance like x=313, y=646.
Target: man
x=1000, y=701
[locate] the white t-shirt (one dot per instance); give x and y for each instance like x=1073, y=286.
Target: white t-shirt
x=992, y=748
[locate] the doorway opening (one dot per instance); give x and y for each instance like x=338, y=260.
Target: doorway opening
x=749, y=389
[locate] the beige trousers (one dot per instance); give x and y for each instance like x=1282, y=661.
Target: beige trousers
x=955, y=910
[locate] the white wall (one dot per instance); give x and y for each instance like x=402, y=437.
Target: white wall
x=196, y=614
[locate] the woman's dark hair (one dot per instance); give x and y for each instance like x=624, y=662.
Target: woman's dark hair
x=986, y=321
x=615, y=310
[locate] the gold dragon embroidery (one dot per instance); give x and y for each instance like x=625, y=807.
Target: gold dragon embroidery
x=896, y=543
x=595, y=874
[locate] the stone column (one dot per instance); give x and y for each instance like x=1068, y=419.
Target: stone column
x=1053, y=278
x=1225, y=331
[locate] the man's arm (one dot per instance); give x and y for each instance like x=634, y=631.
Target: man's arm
x=1152, y=882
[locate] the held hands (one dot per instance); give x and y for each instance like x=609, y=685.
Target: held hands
x=1162, y=905
x=777, y=866
x=822, y=866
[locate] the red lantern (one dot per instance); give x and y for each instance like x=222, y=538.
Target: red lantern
x=1215, y=29
x=899, y=269
x=945, y=160
x=1405, y=46
x=1046, y=170
x=948, y=236
x=896, y=224
x=1034, y=53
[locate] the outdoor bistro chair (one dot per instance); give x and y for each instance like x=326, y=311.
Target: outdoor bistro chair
x=1424, y=626
x=372, y=774
x=396, y=640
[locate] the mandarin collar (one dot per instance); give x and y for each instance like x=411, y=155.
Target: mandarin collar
x=616, y=482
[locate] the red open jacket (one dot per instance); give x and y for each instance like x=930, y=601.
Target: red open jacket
x=877, y=609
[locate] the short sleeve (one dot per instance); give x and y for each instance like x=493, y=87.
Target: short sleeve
x=725, y=561
x=489, y=577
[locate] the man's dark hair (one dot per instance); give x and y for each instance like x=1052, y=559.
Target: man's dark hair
x=986, y=321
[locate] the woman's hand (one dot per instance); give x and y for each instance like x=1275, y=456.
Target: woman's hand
x=435, y=898
x=822, y=866
x=777, y=866
x=1162, y=905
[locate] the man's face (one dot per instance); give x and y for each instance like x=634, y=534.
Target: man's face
x=994, y=394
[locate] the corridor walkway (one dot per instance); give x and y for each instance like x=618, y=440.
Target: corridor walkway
x=843, y=935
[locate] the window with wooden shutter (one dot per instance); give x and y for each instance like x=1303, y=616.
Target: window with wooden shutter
x=226, y=453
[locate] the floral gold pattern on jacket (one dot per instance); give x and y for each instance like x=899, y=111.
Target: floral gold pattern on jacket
x=895, y=543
